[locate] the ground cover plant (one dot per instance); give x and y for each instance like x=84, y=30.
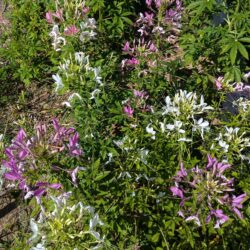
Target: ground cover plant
x=150, y=148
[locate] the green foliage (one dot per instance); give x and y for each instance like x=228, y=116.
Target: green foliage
x=214, y=30
x=26, y=42
x=135, y=121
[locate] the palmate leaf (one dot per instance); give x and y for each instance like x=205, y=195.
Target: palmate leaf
x=242, y=50
x=233, y=53
x=198, y=7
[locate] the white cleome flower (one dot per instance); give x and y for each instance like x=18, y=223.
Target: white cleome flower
x=94, y=93
x=150, y=130
x=176, y=127
x=58, y=82
x=201, y=126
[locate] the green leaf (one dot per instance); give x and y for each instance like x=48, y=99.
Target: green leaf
x=155, y=237
x=245, y=40
x=96, y=164
x=237, y=74
x=102, y=175
x=233, y=54
x=127, y=20
x=243, y=50
x=225, y=48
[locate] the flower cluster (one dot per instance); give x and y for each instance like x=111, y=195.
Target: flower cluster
x=184, y=110
x=85, y=27
x=74, y=69
x=151, y=27
x=139, y=102
x=185, y=104
x=173, y=15
x=242, y=105
x=67, y=223
x=58, y=40
x=210, y=192
x=232, y=140
x=27, y=157
x=222, y=84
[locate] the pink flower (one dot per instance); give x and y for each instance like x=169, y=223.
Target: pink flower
x=149, y=2
x=221, y=167
x=133, y=61
x=237, y=203
x=158, y=3
x=71, y=30
x=178, y=4
x=74, y=145
x=182, y=173
x=152, y=48
x=149, y=18
x=21, y=136
x=55, y=185
x=170, y=14
x=13, y=176
x=211, y=161
x=73, y=174
x=218, y=82
x=177, y=192
x=58, y=14
x=85, y=10
x=39, y=192
x=140, y=94
x=49, y=17
x=126, y=47
x=128, y=111
x=221, y=218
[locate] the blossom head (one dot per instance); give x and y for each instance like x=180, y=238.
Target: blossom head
x=128, y=111
x=211, y=192
x=71, y=30
x=49, y=17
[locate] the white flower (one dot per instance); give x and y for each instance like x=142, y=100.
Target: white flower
x=185, y=103
x=29, y=195
x=39, y=246
x=67, y=104
x=224, y=145
x=94, y=93
x=247, y=75
x=158, y=29
x=176, y=127
x=34, y=229
x=125, y=101
x=81, y=58
x=184, y=139
x=120, y=143
x=162, y=126
x=91, y=23
x=151, y=131
x=58, y=82
x=195, y=219
x=144, y=155
x=94, y=222
x=200, y=125
x=64, y=66
x=73, y=96
x=97, y=77
x=57, y=39
x=124, y=174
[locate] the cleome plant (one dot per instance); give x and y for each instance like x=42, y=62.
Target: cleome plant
x=152, y=148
